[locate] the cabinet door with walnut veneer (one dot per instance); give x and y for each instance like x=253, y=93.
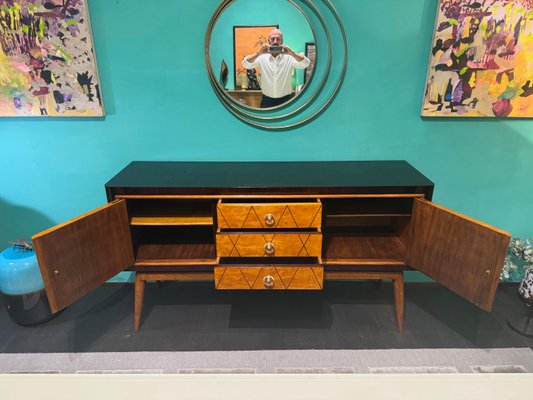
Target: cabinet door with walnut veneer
x=79, y=255
x=459, y=252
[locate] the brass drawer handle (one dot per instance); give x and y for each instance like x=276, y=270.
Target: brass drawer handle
x=270, y=220
x=269, y=248
x=268, y=281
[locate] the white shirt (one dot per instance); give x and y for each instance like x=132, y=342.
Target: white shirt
x=276, y=72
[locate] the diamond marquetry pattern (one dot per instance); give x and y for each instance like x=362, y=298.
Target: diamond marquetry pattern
x=285, y=278
x=254, y=216
x=284, y=244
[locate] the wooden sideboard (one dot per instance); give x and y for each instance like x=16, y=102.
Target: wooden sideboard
x=270, y=226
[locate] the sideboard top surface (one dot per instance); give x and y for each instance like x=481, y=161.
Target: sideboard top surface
x=255, y=177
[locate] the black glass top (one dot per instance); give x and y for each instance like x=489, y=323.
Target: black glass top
x=316, y=174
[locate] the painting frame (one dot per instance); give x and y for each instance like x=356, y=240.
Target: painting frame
x=478, y=63
x=247, y=39
x=48, y=65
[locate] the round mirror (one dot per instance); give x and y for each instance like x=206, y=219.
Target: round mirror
x=291, y=51
x=263, y=53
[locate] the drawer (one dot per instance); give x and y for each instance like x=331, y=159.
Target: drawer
x=245, y=244
x=269, y=215
x=270, y=277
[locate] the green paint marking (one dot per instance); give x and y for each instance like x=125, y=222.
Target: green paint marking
x=65, y=54
x=453, y=21
x=463, y=71
x=461, y=52
x=508, y=93
x=72, y=22
x=25, y=28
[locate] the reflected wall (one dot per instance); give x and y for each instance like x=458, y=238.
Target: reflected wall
x=296, y=30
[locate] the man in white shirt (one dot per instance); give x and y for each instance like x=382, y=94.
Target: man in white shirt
x=277, y=63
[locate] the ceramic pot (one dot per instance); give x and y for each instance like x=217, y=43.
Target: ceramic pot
x=22, y=286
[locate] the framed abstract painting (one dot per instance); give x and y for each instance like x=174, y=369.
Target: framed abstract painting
x=247, y=40
x=47, y=60
x=481, y=61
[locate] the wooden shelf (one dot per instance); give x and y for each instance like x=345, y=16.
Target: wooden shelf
x=335, y=216
x=171, y=221
x=173, y=262
x=175, y=254
x=170, y=212
x=385, y=221
x=351, y=249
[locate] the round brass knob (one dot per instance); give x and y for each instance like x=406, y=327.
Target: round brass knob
x=268, y=281
x=269, y=248
x=270, y=220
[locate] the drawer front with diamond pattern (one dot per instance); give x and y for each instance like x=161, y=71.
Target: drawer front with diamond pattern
x=269, y=215
x=270, y=277
x=278, y=244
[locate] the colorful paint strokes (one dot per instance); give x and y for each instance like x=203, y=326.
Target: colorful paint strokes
x=481, y=62
x=47, y=61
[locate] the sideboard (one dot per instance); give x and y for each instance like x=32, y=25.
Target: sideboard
x=271, y=226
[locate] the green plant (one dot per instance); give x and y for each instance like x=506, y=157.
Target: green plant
x=22, y=245
x=518, y=259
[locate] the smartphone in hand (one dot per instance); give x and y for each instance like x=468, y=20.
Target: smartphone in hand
x=276, y=49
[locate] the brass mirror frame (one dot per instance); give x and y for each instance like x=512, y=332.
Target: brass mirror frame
x=262, y=119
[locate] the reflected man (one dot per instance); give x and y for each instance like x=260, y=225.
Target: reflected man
x=277, y=63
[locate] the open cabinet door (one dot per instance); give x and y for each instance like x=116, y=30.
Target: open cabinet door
x=80, y=255
x=460, y=253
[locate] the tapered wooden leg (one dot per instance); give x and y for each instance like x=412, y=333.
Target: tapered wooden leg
x=139, y=298
x=399, y=299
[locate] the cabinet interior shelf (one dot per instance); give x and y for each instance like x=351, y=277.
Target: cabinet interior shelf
x=173, y=262
x=364, y=215
x=175, y=254
x=354, y=249
x=171, y=221
x=170, y=212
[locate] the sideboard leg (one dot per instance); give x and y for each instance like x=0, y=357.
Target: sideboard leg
x=399, y=299
x=139, y=298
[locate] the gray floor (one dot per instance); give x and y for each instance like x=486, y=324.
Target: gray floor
x=391, y=361
x=193, y=317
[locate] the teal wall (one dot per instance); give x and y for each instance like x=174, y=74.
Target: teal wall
x=160, y=106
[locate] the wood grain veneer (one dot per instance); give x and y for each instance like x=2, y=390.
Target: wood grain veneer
x=330, y=220
x=284, y=277
x=266, y=215
x=81, y=254
x=253, y=244
x=462, y=254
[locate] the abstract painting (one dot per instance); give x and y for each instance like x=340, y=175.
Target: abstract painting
x=47, y=60
x=247, y=40
x=481, y=62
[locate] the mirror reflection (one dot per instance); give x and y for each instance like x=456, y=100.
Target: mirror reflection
x=265, y=51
